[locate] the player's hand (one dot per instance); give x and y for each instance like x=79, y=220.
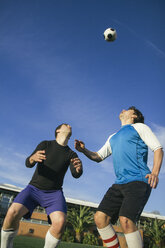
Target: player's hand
x=39, y=156
x=152, y=180
x=77, y=164
x=79, y=145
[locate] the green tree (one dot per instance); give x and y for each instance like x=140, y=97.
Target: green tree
x=154, y=233
x=80, y=219
x=90, y=239
x=67, y=236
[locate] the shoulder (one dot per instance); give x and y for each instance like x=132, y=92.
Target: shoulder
x=106, y=150
x=141, y=127
x=43, y=143
x=107, y=143
x=147, y=135
x=143, y=130
x=46, y=144
x=111, y=136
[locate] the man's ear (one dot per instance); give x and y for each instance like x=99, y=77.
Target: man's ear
x=134, y=116
x=58, y=131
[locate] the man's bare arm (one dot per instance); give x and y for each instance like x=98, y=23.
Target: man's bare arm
x=80, y=146
x=153, y=177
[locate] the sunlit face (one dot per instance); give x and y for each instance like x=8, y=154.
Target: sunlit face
x=66, y=130
x=127, y=114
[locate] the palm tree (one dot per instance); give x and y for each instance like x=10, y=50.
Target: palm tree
x=80, y=219
x=154, y=231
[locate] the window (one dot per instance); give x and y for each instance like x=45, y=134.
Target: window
x=31, y=230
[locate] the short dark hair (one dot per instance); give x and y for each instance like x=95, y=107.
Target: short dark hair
x=57, y=128
x=140, y=117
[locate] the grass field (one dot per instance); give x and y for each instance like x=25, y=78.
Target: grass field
x=29, y=242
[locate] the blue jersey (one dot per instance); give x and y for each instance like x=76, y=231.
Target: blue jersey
x=129, y=148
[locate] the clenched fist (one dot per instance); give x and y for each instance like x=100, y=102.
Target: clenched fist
x=79, y=145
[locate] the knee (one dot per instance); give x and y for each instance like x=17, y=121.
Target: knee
x=123, y=221
x=97, y=219
x=12, y=219
x=101, y=219
x=58, y=222
x=12, y=214
x=127, y=225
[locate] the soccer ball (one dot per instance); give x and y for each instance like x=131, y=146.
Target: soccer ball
x=110, y=34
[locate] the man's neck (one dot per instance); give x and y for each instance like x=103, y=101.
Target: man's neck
x=63, y=141
x=126, y=122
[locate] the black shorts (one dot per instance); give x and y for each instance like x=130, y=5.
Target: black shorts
x=126, y=200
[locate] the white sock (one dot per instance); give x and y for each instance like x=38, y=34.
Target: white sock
x=7, y=237
x=109, y=237
x=134, y=239
x=51, y=241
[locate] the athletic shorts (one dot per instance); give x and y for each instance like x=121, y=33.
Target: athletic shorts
x=126, y=200
x=51, y=200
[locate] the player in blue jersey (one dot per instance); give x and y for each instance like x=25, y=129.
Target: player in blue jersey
x=127, y=197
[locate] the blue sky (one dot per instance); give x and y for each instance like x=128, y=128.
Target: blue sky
x=55, y=67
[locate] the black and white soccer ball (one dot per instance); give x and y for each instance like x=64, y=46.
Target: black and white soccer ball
x=110, y=34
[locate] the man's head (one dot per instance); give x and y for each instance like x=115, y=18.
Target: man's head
x=139, y=116
x=132, y=115
x=63, y=129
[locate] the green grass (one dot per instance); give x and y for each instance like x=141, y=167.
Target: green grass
x=28, y=242
x=31, y=242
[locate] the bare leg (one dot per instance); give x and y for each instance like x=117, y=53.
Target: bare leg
x=106, y=230
x=55, y=232
x=11, y=224
x=127, y=225
x=131, y=232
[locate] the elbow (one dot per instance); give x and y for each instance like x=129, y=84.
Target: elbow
x=77, y=174
x=159, y=153
x=27, y=163
x=162, y=153
x=98, y=159
x=159, y=150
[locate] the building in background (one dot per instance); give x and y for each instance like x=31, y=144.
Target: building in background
x=38, y=225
